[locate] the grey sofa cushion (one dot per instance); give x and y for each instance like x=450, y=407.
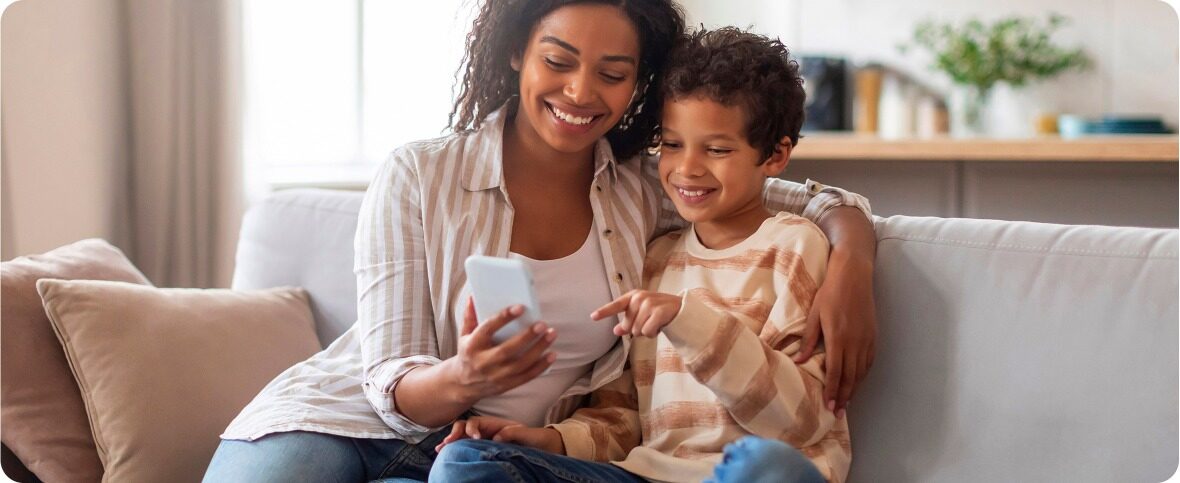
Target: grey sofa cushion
x=303, y=238
x=1020, y=352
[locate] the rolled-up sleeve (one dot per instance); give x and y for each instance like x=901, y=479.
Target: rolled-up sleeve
x=394, y=314
x=811, y=199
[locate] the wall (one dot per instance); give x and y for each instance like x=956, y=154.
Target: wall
x=1134, y=42
x=64, y=122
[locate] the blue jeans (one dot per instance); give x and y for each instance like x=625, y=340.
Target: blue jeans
x=749, y=459
x=758, y=460
x=307, y=456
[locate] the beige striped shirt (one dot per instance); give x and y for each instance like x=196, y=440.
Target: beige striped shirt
x=431, y=205
x=722, y=368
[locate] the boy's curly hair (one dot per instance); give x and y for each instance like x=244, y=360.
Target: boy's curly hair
x=502, y=29
x=735, y=67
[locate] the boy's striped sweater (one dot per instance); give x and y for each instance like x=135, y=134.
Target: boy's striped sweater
x=722, y=368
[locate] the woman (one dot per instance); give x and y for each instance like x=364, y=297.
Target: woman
x=551, y=117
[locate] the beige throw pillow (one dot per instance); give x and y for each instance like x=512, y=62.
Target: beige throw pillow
x=163, y=371
x=41, y=411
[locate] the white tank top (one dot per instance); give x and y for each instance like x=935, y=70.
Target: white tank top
x=568, y=289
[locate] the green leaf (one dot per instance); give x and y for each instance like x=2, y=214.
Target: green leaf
x=1016, y=50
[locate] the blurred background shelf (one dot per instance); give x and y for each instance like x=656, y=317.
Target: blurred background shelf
x=1099, y=180
x=1112, y=148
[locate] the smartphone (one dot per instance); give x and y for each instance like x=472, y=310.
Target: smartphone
x=497, y=283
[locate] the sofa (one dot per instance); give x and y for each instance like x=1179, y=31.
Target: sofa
x=1007, y=351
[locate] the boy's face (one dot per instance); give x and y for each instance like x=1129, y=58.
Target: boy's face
x=707, y=166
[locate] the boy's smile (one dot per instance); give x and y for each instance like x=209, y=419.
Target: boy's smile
x=710, y=170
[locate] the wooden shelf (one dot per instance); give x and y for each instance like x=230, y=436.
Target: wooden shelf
x=1124, y=148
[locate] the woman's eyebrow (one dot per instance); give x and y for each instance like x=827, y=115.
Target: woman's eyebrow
x=619, y=58
x=549, y=39
x=560, y=43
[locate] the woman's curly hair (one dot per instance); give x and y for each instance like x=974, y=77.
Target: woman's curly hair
x=735, y=67
x=502, y=29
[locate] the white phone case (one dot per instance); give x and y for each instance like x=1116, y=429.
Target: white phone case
x=497, y=283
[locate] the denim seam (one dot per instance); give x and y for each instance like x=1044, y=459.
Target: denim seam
x=519, y=478
x=402, y=456
x=556, y=471
x=397, y=460
x=492, y=457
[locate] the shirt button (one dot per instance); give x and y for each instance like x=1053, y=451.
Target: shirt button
x=607, y=232
x=598, y=187
x=618, y=277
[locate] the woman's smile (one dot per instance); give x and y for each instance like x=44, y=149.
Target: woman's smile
x=577, y=77
x=576, y=121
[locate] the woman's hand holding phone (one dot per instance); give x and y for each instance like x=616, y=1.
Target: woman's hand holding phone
x=482, y=368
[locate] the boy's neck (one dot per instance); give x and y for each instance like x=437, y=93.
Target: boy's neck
x=729, y=230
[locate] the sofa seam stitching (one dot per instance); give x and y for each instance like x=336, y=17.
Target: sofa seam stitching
x=1036, y=249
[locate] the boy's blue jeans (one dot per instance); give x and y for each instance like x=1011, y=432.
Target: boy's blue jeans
x=750, y=459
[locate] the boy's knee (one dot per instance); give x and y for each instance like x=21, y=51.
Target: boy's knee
x=465, y=460
x=464, y=450
x=761, y=459
x=762, y=450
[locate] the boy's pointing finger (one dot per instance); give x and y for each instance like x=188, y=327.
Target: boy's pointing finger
x=612, y=308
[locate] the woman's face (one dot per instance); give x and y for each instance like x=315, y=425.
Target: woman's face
x=577, y=75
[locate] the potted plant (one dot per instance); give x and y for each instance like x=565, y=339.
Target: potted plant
x=977, y=56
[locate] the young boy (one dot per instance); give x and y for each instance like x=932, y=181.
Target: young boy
x=727, y=299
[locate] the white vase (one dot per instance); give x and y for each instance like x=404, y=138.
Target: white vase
x=968, y=105
x=1010, y=112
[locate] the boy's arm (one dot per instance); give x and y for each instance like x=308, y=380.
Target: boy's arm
x=608, y=428
x=753, y=376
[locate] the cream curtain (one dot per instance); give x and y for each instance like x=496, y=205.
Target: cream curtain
x=184, y=192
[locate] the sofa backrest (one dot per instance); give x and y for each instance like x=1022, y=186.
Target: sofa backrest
x=303, y=238
x=1007, y=351
x=1020, y=352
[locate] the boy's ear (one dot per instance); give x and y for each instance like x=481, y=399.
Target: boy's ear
x=514, y=62
x=778, y=160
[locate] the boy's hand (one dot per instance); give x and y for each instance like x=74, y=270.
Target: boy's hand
x=476, y=427
x=544, y=439
x=644, y=312
x=504, y=430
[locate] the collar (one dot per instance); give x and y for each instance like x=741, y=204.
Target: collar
x=484, y=164
x=604, y=160
x=484, y=159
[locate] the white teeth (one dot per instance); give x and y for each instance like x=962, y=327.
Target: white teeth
x=570, y=118
x=692, y=194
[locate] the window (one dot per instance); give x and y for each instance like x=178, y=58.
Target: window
x=332, y=86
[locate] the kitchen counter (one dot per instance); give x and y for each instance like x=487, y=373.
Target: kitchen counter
x=1121, y=148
